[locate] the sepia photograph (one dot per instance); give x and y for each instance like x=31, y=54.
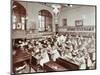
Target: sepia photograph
x=52, y=37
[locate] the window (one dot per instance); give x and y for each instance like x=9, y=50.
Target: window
x=45, y=20
x=18, y=17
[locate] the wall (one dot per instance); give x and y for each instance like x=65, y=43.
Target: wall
x=85, y=13
x=32, y=10
x=32, y=13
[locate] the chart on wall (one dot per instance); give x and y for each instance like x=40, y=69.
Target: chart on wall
x=52, y=37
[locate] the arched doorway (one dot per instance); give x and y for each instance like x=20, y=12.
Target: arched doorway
x=45, y=20
x=18, y=16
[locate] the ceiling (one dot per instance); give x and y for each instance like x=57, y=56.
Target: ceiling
x=69, y=6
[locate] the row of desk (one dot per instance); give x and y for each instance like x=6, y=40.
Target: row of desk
x=59, y=65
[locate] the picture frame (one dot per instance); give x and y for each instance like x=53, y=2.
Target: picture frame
x=64, y=21
x=78, y=22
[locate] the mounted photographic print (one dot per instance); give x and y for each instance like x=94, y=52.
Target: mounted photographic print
x=51, y=37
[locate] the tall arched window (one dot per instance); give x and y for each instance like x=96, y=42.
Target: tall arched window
x=45, y=20
x=18, y=16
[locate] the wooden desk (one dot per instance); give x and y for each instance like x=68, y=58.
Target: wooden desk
x=52, y=67
x=21, y=56
x=67, y=64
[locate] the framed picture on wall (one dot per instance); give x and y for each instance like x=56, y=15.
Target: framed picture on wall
x=64, y=22
x=78, y=22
